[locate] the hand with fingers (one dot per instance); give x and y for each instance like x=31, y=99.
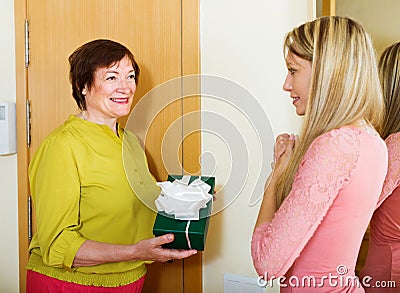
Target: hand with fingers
x=280, y=146
x=283, y=150
x=151, y=249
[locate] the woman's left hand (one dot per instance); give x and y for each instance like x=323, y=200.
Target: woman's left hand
x=151, y=249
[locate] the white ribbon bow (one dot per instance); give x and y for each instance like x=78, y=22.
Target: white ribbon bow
x=183, y=200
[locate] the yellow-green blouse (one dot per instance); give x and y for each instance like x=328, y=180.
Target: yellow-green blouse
x=80, y=190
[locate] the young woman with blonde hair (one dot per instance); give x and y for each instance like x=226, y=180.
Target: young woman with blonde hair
x=383, y=260
x=326, y=183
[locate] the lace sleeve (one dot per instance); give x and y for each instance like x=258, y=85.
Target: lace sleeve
x=392, y=180
x=324, y=170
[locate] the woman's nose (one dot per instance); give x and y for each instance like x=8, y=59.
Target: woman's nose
x=123, y=85
x=287, y=85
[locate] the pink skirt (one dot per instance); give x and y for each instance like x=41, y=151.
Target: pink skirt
x=39, y=283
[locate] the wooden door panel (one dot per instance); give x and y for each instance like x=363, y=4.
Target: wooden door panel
x=152, y=30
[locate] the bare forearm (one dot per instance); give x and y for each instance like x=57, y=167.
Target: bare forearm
x=94, y=253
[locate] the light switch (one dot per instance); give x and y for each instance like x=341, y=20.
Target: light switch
x=8, y=136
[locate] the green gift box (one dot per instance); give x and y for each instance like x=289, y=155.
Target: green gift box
x=185, y=232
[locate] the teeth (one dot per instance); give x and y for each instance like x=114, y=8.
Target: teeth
x=118, y=100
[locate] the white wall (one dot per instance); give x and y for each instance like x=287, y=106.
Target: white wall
x=241, y=41
x=9, y=281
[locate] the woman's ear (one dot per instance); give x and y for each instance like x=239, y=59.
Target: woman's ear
x=85, y=90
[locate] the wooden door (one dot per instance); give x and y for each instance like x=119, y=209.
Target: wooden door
x=163, y=36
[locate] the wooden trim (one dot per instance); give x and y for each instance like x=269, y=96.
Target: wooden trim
x=328, y=7
x=192, y=267
x=22, y=150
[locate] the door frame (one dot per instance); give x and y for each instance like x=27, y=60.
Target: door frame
x=192, y=267
x=22, y=149
x=328, y=7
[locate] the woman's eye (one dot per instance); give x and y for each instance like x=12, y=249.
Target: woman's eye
x=110, y=78
x=131, y=76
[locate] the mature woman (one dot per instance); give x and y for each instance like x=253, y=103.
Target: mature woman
x=92, y=230
x=326, y=183
x=383, y=261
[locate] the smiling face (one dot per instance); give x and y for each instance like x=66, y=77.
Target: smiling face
x=298, y=82
x=111, y=95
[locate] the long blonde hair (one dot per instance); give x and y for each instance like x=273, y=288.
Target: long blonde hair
x=389, y=74
x=344, y=83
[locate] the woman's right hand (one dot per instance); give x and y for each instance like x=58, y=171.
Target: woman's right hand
x=280, y=146
x=283, y=150
x=151, y=249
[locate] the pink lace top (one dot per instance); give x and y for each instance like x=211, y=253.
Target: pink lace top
x=318, y=229
x=383, y=260
x=392, y=180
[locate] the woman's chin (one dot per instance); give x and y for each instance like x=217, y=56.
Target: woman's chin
x=122, y=112
x=300, y=112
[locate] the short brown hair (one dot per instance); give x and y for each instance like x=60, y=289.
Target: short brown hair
x=85, y=60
